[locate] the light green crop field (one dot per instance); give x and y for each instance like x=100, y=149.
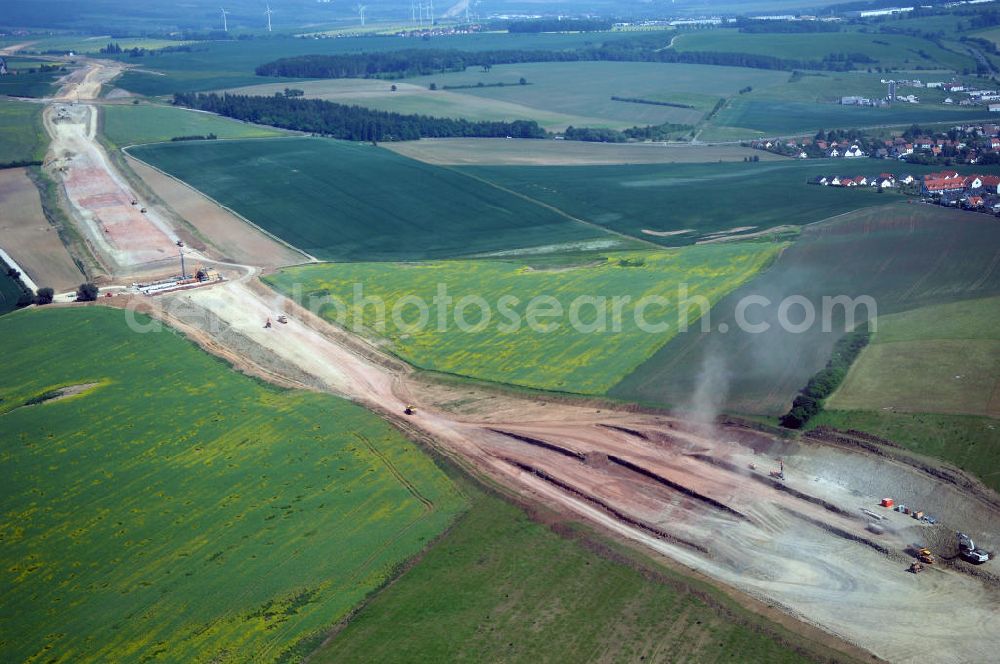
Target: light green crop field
x=586, y=349
x=559, y=94
x=897, y=51
x=22, y=136
x=175, y=510
x=586, y=88
x=939, y=359
x=129, y=124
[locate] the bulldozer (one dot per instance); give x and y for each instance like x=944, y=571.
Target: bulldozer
x=915, y=567
x=410, y=410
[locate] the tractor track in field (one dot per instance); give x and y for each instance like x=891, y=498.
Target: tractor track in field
x=699, y=498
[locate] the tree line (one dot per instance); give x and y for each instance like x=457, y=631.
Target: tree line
x=352, y=123
x=809, y=401
x=421, y=62
x=604, y=135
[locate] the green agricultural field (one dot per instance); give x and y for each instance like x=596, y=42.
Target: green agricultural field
x=174, y=510
x=410, y=98
x=586, y=349
x=347, y=201
x=26, y=83
x=938, y=359
x=585, y=88
x=770, y=117
x=93, y=45
x=903, y=256
x=229, y=64
x=128, y=124
x=22, y=136
x=502, y=588
x=971, y=443
x=895, y=51
x=700, y=199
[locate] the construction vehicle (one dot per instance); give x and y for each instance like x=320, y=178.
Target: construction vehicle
x=409, y=410
x=283, y=319
x=180, y=243
x=267, y=324
x=780, y=473
x=916, y=567
x=967, y=549
x=925, y=556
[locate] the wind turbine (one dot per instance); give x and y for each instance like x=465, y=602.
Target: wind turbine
x=361, y=13
x=268, y=13
x=225, y=26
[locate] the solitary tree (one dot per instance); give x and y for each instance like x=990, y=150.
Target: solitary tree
x=44, y=296
x=433, y=86
x=86, y=293
x=393, y=88
x=523, y=81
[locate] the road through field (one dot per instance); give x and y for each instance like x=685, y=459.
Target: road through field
x=697, y=494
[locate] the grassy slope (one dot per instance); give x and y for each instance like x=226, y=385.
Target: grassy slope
x=586, y=359
x=182, y=510
x=703, y=197
x=903, y=256
x=128, y=124
x=897, y=394
x=971, y=443
x=22, y=137
x=501, y=587
x=939, y=359
x=345, y=201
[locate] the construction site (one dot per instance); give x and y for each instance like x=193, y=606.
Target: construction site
x=845, y=533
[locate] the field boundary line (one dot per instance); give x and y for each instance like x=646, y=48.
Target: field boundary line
x=268, y=234
x=553, y=208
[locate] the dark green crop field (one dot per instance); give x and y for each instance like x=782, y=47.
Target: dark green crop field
x=346, y=201
x=10, y=291
x=699, y=198
x=903, y=256
x=167, y=508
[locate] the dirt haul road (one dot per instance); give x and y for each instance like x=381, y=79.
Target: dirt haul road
x=686, y=492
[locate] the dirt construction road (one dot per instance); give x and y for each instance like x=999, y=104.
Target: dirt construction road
x=700, y=495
